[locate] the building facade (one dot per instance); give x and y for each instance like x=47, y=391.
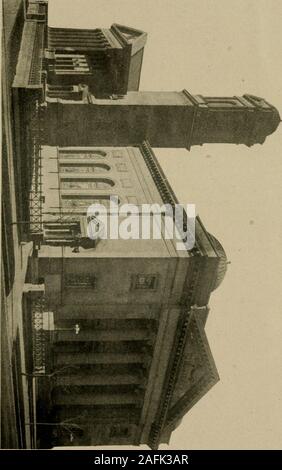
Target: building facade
x=119, y=347
x=127, y=351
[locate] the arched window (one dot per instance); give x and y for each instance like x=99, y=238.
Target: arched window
x=87, y=183
x=82, y=154
x=102, y=153
x=84, y=168
x=84, y=201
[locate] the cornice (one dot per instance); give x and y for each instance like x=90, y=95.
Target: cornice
x=166, y=192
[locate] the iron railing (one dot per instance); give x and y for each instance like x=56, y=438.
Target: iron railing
x=35, y=195
x=39, y=337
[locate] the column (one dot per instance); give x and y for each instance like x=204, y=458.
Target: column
x=100, y=358
x=99, y=379
x=92, y=398
x=104, y=335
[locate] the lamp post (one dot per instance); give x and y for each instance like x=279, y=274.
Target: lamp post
x=76, y=329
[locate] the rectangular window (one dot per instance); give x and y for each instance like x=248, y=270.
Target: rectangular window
x=121, y=167
x=126, y=183
x=117, y=154
x=71, y=64
x=81, y=281
x=144, y=281
x=76, y=202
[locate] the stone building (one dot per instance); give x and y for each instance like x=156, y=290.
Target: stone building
x=119, y=346
x=127, y=345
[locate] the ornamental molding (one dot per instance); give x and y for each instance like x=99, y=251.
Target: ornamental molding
x=166, y=192
x=174, y=367
x=209, y=378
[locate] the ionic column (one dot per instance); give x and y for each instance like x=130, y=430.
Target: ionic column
x=93, y=414
x=101, y=358
x=99, y=379
x=91, y=398
x=136, y=334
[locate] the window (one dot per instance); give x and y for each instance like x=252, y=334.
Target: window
x=71, y=64
x=144, y=281
x=102, y=153
x=126, y=183
x=83, y=154
x=83, y=168
x=86, y=183
x=121, y=167
x=64, y=91
x=76, y=202
x=80, y=281
x=117, y=154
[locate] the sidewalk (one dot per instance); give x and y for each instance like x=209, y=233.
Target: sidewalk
x=14, y=387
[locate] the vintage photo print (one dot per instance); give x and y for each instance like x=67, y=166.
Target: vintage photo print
x=141, y=226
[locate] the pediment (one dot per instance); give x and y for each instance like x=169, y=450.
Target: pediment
x=197, y=374
x=135, y=37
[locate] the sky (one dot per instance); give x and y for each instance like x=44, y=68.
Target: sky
x=220, y=48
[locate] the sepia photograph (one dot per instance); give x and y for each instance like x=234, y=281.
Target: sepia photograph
x=141, y=255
